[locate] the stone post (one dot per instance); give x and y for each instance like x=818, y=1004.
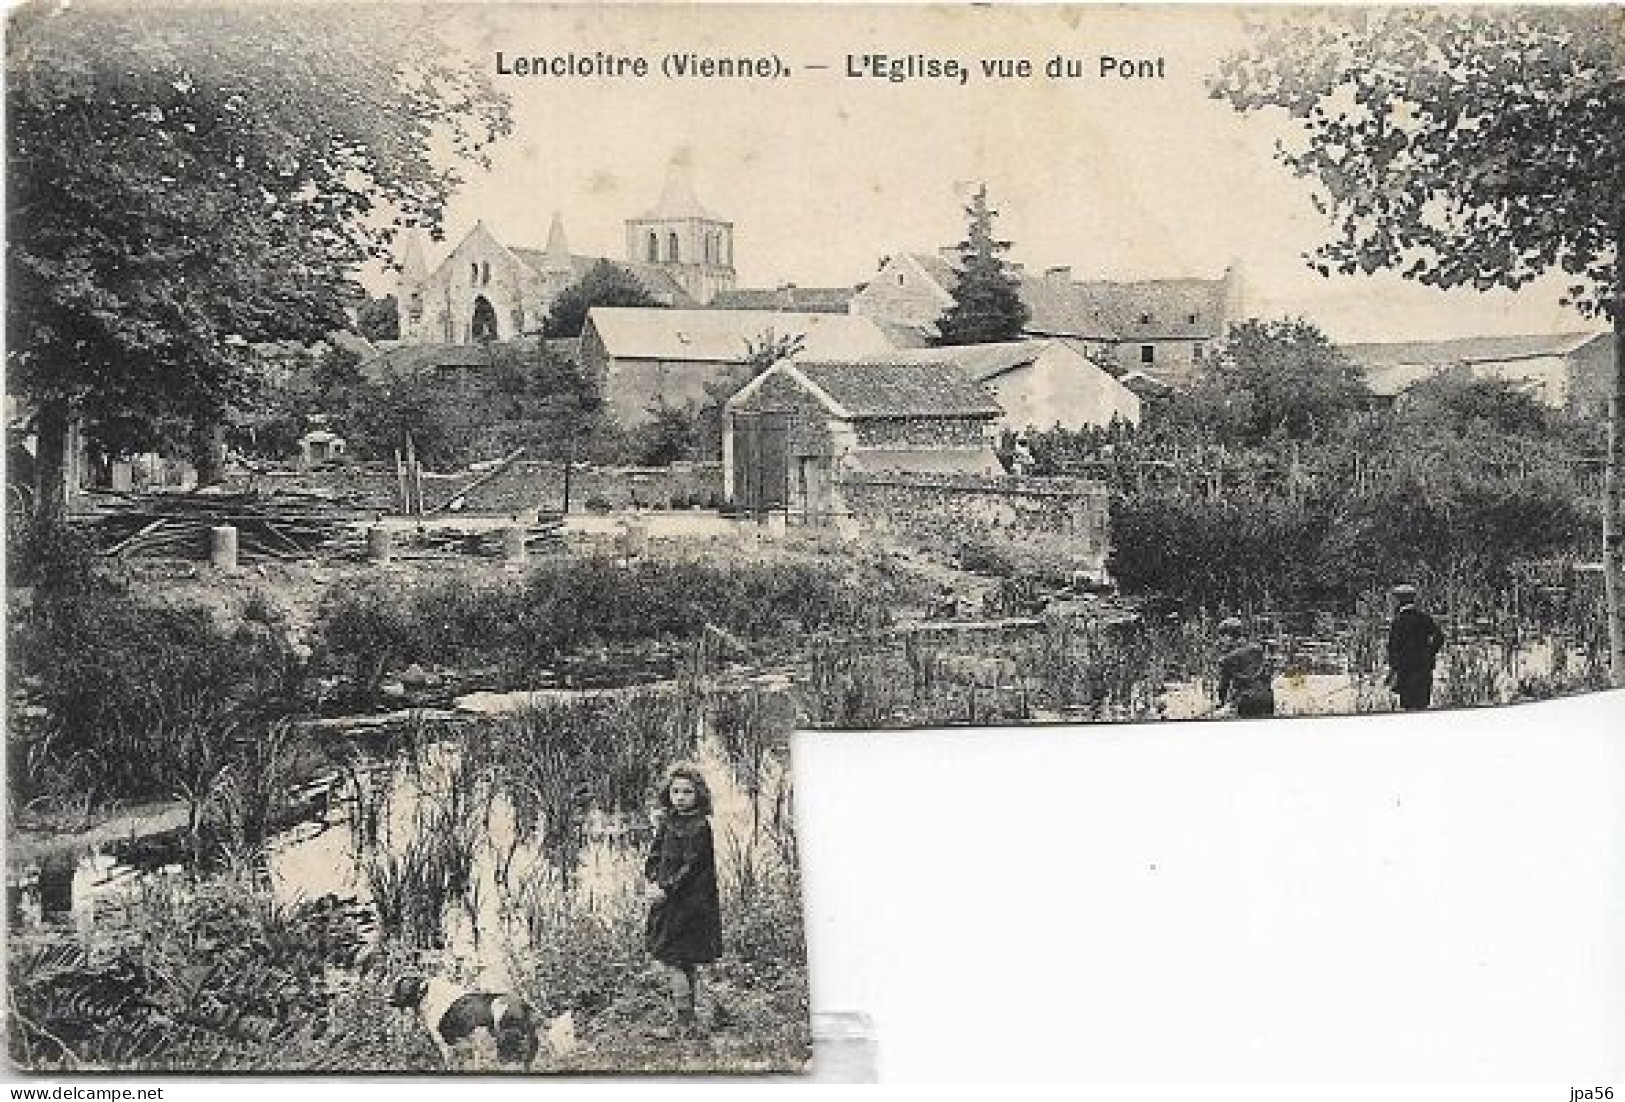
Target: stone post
x=513, y=545
x=223, y=547
x=380, y=544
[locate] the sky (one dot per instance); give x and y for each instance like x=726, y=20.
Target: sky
x=823, y=174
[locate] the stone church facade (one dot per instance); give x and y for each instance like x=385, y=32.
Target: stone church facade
x=487, y=290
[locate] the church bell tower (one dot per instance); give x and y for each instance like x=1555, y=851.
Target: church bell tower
x=683, y=238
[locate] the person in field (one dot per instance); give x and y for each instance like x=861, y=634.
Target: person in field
x=1414, y=641
x=685, y=913
x=1244, y=674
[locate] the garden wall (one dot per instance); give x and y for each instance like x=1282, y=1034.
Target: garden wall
x=527, y=484
x=1073, y=510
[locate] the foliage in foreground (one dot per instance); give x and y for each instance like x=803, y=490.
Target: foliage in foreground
x=219, y=975
x=136, y=698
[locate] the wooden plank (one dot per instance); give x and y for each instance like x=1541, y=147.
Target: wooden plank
x=502, y=465
x=128, y=540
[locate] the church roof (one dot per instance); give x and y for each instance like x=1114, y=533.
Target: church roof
x=655, y=279
x=722, y=336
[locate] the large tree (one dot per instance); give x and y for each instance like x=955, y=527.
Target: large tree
x=987, y=302
x=1275, y=379
x=604, y=284
x=1464, y=148
x=188, y=181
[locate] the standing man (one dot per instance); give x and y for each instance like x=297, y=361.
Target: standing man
x=1414, y=640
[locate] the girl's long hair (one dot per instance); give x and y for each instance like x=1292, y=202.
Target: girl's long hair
x=691, y=774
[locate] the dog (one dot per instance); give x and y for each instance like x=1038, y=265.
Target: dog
x=459, y=1020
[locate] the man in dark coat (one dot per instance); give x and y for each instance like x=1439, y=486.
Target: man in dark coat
x=1414, y=640
x=1244, y=675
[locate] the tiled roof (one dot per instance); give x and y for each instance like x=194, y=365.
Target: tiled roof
x=822, y=300
x=1464, y=350
x=721, y=336
x=980, y=361
x=1188, y=309
x=874, y=388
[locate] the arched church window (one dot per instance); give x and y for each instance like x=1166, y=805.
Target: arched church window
x=654, y=247
x=485, y=273
x=672, y=256
x=474, y=274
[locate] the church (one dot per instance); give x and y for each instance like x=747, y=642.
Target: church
x=485, y=290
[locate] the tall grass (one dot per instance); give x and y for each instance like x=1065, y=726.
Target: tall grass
x=523, y=626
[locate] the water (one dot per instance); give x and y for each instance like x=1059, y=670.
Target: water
x=484, y=934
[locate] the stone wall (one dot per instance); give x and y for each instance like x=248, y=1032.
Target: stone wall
x=1075, y=511
x=527, y=484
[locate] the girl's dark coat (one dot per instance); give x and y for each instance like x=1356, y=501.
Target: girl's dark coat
x=686, y=926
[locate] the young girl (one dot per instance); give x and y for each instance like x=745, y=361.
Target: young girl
x=685, y=915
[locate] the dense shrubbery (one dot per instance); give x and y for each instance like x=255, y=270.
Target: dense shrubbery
x=564, y=606
x=131, y=698
x=215, y=976
x=1268, y=481
x=1251, y=552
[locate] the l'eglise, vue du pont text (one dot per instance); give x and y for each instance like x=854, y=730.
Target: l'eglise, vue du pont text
x=898, y=68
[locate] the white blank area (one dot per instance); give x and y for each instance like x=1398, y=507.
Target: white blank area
x=1406, y=899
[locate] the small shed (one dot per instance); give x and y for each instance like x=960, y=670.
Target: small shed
x=790, y=431
x=320, y=446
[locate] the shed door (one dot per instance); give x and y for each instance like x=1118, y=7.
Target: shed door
x=761, y=460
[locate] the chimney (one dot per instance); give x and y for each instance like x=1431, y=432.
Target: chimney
x=1061, y=273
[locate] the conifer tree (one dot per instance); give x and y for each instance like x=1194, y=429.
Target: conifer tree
x=987, y=302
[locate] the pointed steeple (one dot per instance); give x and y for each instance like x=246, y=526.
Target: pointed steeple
x=414, y=270
x=558, y=247
x=677, y=198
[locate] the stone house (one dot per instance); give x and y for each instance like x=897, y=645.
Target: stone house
x=1038, y=384
x=1565, y=371
x=645, y=357
x=1165, y=328
x=793, y=430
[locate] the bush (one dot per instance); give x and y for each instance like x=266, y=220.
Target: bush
x=140, y=699
x=561, y=607
x=216, y=978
